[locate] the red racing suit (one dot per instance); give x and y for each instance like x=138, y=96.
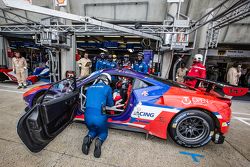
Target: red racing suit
x=196, y=70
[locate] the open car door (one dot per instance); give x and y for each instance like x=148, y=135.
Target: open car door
x=47, y=119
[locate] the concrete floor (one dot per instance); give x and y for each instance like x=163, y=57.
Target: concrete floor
x=121, y=148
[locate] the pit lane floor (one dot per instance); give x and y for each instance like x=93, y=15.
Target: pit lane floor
x=122, y=148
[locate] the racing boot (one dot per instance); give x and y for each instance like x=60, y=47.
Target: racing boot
x=98, y=148
x=86, y=144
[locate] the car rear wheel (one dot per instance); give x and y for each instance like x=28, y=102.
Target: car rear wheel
x=192, y=128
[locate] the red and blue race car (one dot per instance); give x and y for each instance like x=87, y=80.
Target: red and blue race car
x=191, y=116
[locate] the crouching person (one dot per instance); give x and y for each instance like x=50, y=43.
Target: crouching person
x=98, y=96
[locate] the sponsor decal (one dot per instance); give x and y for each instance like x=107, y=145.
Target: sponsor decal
x=198, y=100
x=186, y=100
x=144, y=93
x=144, y=114
x=194, y=100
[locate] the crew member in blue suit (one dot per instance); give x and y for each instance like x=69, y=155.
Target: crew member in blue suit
x=140, y=65
x=101, y=63
x=112, y=62
x=98, y=96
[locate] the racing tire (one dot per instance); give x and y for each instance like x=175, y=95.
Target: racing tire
x=192, y=128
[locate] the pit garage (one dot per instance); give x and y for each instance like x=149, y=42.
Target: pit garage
x=59, y=38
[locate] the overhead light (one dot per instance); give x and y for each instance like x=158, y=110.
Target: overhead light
x=133, y=42
x=32, y=48
x=132, y=36
x=105, y=50
x=131, y=50
x=137, y=47
x=113, y=36
x=80, y=49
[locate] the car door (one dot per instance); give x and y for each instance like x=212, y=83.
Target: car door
x=42, y=123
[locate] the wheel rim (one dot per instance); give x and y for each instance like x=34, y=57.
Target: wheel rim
x=192, y=129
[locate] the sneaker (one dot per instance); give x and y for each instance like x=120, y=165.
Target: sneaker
x=98, y=148
x=24, y=87
x=86, y=144
x=19, y=87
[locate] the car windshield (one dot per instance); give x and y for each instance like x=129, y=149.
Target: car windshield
x=170, y=82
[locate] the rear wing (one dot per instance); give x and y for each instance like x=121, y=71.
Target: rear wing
x=229, y=90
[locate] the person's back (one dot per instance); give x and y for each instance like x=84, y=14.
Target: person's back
x=98, y=95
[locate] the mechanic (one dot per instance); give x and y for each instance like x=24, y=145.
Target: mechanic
x=196, y=70
x=126, y=62
x=97, y=97
x=101, y=63
x=111, y=63
x=85, y=64
x=19, y=68
x=140, y=65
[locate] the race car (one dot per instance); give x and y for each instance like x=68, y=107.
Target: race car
x=143, y=103
x=8, y=75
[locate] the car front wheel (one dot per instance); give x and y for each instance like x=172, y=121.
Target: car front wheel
x=192, y=128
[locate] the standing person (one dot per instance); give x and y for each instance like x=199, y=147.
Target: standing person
x=101, y=63
x=234, y=74
x=109, y=61
x=19, y=68
x=114, y=63
x=181, y=72
x=196, y=70
x=140, y=65
x=98, y=96
x=85, y=65
x=126, y=62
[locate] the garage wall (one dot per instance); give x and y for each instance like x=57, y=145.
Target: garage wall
x=126, y=10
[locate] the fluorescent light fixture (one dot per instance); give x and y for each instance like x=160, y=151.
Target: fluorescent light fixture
x=80, y=49
x=131, y=50
x=33, y=48
x=132, y=36
x=112, y=47
x=133, y=42
x=105, y=50
x=137, y=47
x=112, y=36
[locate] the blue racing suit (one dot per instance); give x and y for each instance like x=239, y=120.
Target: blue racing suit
x=98, y=95
x=111, y=64
x=101, y=64
x=141, y=67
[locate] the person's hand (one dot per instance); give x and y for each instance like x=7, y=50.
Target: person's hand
x=25, y=68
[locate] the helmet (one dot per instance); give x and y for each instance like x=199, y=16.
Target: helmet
x=114, y=56
x=105, y=78
x=198, y=57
